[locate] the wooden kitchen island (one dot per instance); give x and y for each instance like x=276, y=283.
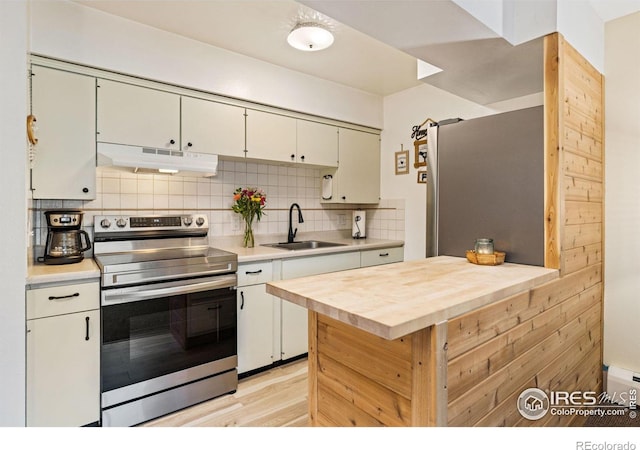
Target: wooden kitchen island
x=386, y=343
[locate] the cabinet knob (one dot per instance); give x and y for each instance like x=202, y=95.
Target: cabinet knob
x=85, y=190
x=293, y=157
x=189, y=144
x=302, y=157
x=344, y=197
x=172, y=141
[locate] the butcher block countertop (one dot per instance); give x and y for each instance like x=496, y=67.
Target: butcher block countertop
x=394, y=300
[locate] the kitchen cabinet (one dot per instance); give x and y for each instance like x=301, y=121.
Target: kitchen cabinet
x=64, y=105
x=294, y=338
x=256, y=317
x=63, y=355
x=212, y=127
x=357, y=178
x=135, y=115
x=317, y=143
x=270, y=137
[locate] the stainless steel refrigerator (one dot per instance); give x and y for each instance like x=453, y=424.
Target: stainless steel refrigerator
x=485, y=179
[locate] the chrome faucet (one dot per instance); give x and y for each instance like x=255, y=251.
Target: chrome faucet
x=292, y=232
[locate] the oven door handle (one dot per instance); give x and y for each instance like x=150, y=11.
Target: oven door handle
x=134, y=294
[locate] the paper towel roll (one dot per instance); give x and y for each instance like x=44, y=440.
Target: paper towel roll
x=327, y=187
x=359, y=225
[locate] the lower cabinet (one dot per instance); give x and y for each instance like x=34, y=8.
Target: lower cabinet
x=255, y=328
x=294, y=338
x=271, y=329
x=63, y=355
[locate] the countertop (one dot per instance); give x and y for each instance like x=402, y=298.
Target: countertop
x=397, y=299
x=262, y=253
x=39, y=273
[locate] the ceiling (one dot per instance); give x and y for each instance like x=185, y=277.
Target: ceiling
x=380, y=58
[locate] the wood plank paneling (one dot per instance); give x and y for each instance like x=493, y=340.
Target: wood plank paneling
x=553, y=75
x=580, y=257
x=473, y=329
x=473, y=367
x=581, y=144
x=386, y=362
x=580, y=189
x=580, y=166
x=371, y=398
x=582, y=234
x=335, y=410
x=488, y=394
x=582, y=212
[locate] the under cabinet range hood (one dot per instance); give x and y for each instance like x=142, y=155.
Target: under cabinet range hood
x=148, y=159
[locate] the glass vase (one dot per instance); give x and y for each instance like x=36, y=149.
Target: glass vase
x=248, y=240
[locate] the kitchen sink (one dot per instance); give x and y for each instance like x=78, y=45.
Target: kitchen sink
x=303, y=245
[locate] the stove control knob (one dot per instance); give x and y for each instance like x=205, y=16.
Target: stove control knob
x=188, y=220
x=121, y=223
x=105, y=223
x=200, y=221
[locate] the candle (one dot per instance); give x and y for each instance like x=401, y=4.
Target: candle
x=484, y=246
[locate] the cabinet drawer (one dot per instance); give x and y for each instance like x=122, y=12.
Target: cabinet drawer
x=381, y=256
x=255, y=273
x=56, y=300
x=315, y=265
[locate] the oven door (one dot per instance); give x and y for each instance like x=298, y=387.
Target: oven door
x=162, y=335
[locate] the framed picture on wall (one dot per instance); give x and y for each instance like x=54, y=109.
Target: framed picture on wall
x=422, y=176
x=402, y=162
x=420, y=150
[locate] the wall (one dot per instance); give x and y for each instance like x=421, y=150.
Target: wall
x=123, y=192
x=75, y=33
x=583, y=29
x=622, y=210
x=13, y=111
x=401, y=112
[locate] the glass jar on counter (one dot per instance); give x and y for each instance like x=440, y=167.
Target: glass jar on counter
x=484, y=246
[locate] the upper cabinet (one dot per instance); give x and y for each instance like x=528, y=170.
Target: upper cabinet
x=64, y=105
x=317, y=143
x=357, y=178
x=135, y=115
x=274, y=137
x=271, y=137
x=212, y=127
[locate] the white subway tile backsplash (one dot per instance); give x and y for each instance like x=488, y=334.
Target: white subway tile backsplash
x=143, y=193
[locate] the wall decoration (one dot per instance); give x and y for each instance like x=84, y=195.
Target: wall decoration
x=422, y=176
x=402, y=162
x=420, y=150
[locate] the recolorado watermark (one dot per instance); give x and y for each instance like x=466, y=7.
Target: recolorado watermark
x=589, y=445
x=534, y=404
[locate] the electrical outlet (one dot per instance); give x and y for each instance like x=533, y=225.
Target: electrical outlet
x=342, y=220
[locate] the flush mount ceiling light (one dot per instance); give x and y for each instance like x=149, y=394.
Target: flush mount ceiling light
x=310, y=37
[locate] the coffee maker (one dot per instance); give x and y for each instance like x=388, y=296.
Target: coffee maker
x=66, y=242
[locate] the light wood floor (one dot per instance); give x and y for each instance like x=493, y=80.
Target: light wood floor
x=275, y=398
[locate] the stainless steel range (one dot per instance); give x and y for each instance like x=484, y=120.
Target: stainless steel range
x=168, y=306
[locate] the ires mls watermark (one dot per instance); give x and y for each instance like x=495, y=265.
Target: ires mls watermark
x=534, y=403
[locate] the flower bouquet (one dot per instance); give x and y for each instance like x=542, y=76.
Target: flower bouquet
x=250, y=203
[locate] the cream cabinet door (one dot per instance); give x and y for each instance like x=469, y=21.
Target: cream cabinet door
x=271, y=137
x=255, y=328
x=317, y=144
x=134, y=115
x=64, y=105
x=212, y=127
x=63, y=370
x=358, y=173
x=294, y=338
